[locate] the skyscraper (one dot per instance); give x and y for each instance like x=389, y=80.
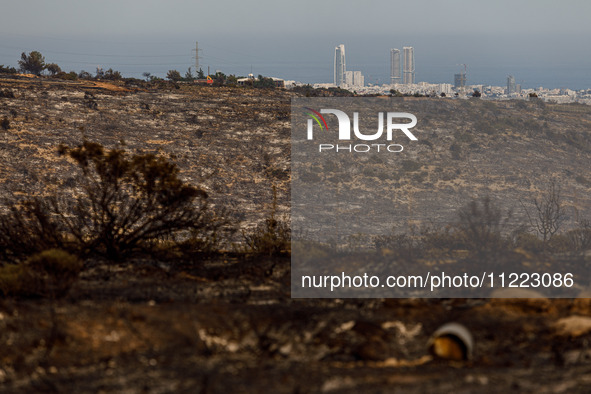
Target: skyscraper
x=511, y=86
x=409, y=65
x=339, y=65
x=394, y=66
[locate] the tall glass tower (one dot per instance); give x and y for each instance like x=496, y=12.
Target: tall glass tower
x=409, y=65
x=394, y=66
x=511, y=85
x=339, y=65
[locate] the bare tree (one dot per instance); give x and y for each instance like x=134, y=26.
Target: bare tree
x=549, y=214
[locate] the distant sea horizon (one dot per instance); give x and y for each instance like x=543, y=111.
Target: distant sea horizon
x=569, y=77
x=311, y=61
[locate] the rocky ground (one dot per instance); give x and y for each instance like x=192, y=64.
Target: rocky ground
x=232, y=142
x=228, y=324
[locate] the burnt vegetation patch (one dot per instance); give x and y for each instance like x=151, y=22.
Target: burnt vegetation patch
x=119, y=205
x=105, y=285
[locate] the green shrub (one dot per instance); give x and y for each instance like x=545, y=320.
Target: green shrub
x=112, y=75
x=71, y=76
x=264, y=82
x=174, y=76
x=33, y=63
x=84, y=75
x=53, y=69
x=7, y=69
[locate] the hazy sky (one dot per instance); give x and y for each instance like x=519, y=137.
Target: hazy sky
x=540, y=42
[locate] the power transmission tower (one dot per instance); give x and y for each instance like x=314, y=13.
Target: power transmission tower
x=196, y=56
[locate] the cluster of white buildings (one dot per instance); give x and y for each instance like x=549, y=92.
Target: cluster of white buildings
x=402, y=80
x=487, y=91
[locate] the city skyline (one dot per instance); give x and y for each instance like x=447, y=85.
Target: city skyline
x=457, y=79
x=157, y=37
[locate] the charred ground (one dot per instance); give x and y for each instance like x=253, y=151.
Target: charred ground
x=228, y=323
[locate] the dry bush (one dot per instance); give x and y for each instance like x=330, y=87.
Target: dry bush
x=405, y=246
x=579, y=239
x=12, y=279
x=211, y=237
x=430, y=242
x=271, y=237
x=560, y=243
x=527, y=241
x=438, y=243
x=129, y=201
x=49, y=274
x=119, y=205
x=27, y=228
x=480, y=226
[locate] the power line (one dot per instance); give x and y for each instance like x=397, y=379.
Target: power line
x=94, y=54
x=86, y=40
